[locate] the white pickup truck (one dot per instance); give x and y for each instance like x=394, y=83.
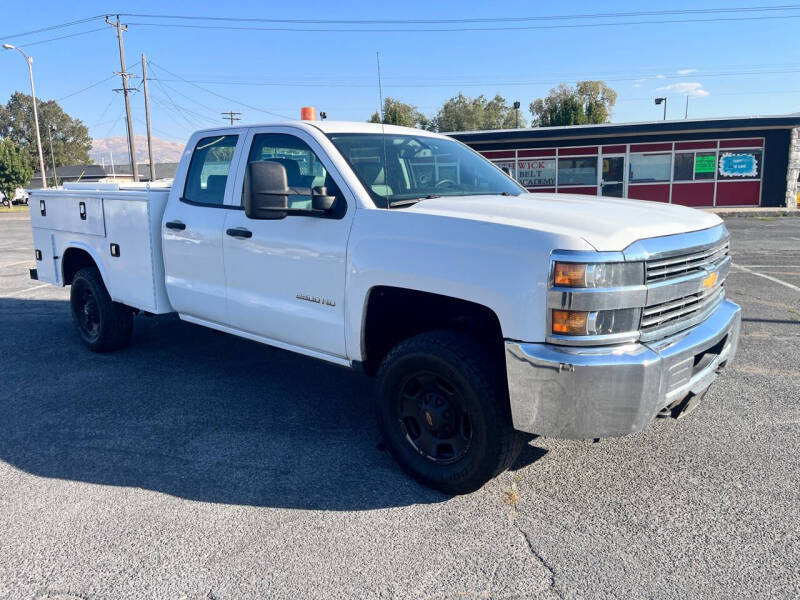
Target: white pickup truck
x=484, y=311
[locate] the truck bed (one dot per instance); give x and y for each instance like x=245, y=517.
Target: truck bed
x=118, y=225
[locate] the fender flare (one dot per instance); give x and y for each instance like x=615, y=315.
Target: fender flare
x=89, y=250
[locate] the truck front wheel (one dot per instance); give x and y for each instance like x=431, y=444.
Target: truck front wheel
x=104, y=325
x=443, y=411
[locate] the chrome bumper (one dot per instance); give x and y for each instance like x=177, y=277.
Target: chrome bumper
x=582, y=393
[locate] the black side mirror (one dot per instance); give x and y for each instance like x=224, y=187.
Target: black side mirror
x=266, y=192
x=320, y=200
x=506, y=170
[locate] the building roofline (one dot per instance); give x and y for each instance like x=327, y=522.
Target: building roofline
x=643, y=127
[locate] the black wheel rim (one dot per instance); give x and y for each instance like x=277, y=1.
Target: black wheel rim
x=88, y=314
x=433, y=417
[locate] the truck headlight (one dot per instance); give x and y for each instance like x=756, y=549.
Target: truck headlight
x=600, y=322
x=598, y=275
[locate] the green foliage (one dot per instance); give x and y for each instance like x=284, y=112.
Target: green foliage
x=71, y=141
x=400, y=113
x=14, y=171
x=587, y=103
x=462, y=113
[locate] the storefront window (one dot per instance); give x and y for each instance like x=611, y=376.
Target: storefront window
x=649, y=167
x=740, y=164
x=704, y=165
x=537, y=172
x=577, y=171
x=683, y=170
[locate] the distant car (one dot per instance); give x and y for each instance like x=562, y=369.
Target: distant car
x=23, y=199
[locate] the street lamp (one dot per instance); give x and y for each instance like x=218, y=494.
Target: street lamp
x=516, y=112
x=50, y=131
x=29, y=60
x=664, y=100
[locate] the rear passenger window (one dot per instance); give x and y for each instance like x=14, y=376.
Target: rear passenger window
x=208, y=170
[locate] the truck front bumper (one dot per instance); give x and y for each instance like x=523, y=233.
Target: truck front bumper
x=582, y=393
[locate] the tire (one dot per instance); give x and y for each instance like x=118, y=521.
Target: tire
x=443, y=411
x=103, y=325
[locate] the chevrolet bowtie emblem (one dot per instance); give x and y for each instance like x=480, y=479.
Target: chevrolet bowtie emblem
x=709, y=281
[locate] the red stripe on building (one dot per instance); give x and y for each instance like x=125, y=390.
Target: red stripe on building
x=577, y=151
x=751, y=143
x=651, y=147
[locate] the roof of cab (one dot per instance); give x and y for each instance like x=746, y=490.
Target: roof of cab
x=337, y=127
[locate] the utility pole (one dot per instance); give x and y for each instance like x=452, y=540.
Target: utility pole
x=147, y=118
x=686, y=112
x=232, y=116
x=124, y=74
x=50, y=130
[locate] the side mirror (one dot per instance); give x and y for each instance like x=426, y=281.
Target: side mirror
x=506, y=170
x=320, y=200
x=266, y=192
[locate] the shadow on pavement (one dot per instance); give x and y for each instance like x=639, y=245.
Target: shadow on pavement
x=193, y=413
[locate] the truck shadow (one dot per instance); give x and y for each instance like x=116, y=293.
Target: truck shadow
x=193, y=413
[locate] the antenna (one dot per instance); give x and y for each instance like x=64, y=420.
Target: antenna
x=383, y=129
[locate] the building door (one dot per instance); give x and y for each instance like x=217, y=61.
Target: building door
x=612, y=176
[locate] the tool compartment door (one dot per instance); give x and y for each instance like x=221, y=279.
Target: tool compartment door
x=44, y=250
x=71, y=212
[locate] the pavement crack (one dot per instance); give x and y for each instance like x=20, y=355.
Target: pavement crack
x=539, y=558
x=512, y=517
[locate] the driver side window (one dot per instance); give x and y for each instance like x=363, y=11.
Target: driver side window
x=304, y=170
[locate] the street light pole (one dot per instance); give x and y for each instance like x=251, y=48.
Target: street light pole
x=663, y=100
x=516, y=112
x=29, y=60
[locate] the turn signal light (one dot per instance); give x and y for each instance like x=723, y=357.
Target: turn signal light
x=570, y=274
x=570, y=322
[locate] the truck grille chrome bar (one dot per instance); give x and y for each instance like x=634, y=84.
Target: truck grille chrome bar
x=654, y=317
x=685, y=264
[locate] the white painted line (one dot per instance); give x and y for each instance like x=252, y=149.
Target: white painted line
x=769, y=266
x=774, y=279
x=14, y=264
x=30, y=289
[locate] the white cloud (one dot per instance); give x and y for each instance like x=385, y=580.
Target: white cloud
x=686, y=71
x=689, y=88
x=660, y=76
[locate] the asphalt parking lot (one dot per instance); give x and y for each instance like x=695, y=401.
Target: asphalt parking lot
x=197, y=465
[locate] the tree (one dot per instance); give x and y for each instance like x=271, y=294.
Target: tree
x=586, y=103
x=462, y=113
x=400, y=113
x=71, y=141
x=14, y=171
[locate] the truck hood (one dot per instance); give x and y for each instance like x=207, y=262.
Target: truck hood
x=607, y=224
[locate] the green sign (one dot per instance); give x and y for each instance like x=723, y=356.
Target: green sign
x=704, y=164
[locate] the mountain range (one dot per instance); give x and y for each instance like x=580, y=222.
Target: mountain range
x=164, y=151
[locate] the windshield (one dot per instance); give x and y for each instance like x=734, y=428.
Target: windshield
x=395, y=167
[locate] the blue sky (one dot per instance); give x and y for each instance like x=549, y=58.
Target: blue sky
x=728, y=68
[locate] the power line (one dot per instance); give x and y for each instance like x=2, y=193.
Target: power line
x=499, y=83
x=223, y=97
x=463, y=29
x=88, y=87
x=232, y=116
x=651, y=13
x=62, y=37
x=51, y=27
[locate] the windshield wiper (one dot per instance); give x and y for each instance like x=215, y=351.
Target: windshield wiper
x=411, y=201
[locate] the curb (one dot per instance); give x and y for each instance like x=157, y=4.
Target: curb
x=786, y=212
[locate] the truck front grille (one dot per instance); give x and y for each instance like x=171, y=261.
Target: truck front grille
x=684, y=311
x=685, y=264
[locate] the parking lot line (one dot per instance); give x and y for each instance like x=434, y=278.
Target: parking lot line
x=774, y=279
x=30, y=289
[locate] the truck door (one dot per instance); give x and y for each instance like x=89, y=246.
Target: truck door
x=192, y=231
x=286, y=278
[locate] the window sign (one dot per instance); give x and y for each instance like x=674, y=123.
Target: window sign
x=738, y=164
x=704, y=163
x=537, y=173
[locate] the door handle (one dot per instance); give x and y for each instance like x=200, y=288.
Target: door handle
x=175, y=225
x=239, y=232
